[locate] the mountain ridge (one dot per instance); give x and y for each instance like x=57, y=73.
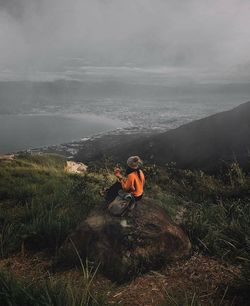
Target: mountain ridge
x=206, y=144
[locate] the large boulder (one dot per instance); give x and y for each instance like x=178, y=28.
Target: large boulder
x=144, y=239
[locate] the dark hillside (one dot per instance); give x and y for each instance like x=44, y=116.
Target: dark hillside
x=205, y=143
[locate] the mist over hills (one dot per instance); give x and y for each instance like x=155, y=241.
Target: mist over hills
x=206, y=144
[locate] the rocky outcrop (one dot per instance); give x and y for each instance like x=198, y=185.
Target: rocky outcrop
x=125, y=246
x=76, y=168
x=7, y=157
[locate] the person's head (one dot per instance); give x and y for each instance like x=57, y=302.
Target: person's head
x=134, y=162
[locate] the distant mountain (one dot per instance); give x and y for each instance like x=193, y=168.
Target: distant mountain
x=205, y=144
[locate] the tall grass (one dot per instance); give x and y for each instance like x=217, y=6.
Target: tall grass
x=221, y=229
x=198, y=186
x=216, y=215
x=40, y=204
x=50, y=292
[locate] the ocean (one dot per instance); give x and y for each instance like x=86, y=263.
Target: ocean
x=22, y=132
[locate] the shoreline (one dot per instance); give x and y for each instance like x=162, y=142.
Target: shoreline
x=89, y=145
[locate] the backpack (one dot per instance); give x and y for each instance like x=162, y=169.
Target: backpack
x=122, y=203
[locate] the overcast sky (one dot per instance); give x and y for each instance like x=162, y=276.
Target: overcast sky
x=192, y=40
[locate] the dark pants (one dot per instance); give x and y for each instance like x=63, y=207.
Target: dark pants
x=112, y=192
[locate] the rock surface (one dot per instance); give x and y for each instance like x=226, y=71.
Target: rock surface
x=7, y=157
x=77, y=168
x=145, y=239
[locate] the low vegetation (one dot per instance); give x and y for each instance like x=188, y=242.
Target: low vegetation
x=216, y=216
x=50, y=291
x=40, y=205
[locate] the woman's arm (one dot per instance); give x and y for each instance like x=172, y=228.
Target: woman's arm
x=126, y=182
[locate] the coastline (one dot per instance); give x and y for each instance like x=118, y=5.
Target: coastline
x=34, y=133
x=90, y=145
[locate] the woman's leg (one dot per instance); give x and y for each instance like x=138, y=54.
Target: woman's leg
x=112, y=192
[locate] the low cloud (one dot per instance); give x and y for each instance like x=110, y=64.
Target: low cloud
x=190, y=39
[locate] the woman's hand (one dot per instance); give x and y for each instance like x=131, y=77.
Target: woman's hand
x=117, y=172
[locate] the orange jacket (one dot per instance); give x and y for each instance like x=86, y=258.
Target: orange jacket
x=133, y=183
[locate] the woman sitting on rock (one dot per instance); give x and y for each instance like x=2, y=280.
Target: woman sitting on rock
x=133, y=181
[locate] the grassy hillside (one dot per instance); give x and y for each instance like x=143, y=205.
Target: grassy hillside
x=40, y=205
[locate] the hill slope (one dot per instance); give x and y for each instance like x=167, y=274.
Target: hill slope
x=41, y=204
x=204, y=144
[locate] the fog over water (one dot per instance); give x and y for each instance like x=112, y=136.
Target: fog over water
x=150, y=64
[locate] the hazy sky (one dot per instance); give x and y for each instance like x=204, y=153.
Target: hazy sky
x=176, y=40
